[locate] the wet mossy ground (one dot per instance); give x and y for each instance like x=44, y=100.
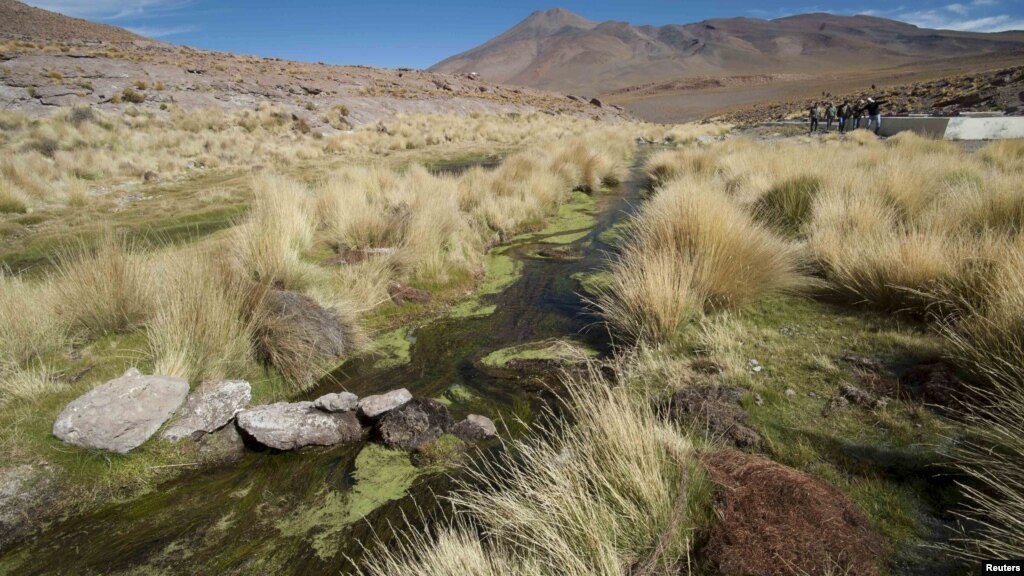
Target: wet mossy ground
x=309, y=512
x=787, y=351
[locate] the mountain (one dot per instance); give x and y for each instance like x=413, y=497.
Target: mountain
x=22, y=22
x=559, y=50
x=51, y=61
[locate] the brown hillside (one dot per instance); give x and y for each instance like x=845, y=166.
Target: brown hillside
x=50, y=61
x=22, y=22
x=563, y=51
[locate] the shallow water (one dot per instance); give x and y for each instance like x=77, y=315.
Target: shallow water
x=311, y=512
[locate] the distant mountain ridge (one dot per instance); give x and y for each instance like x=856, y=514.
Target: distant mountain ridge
x=560, y=50
x=19, y=21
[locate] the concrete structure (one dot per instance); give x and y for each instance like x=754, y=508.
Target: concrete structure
x=975, y=127
x=958, y=128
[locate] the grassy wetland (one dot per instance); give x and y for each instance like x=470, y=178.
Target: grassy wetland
x=851, y=305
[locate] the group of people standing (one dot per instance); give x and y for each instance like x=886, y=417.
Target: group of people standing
x=847, y=116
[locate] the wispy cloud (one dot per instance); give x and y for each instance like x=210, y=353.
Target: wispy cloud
x=943, y=20
x=162, y=32
x=959, y=9
x=109, y=9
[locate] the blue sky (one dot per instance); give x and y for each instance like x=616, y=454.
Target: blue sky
x=418, y=33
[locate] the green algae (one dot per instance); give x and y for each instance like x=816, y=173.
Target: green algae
x=460, y=394
x=501, y=270
x=593, y=283
x=617, y=234
x=447, y=451
x=543, y=350
x=381, y=475
x=575, y=215
x=566, y=238
x=394, y=348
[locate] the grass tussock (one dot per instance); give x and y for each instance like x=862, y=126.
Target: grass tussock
x=693, y=250
x=104, y=289
x=911, y=225
x=616, y=490
x=203, y=322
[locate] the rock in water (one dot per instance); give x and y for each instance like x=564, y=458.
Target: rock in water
x=414, y=424
x=285, y=426
x=121, y=414
x=475, y=428
x=209, y=408
x=337, y=402
x=373, y=407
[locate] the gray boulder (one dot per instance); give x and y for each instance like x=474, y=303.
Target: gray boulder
x=373, y=407
x=337, y=402
x=475, y=428
x=285, y=426
x=121, y=414
x=208, y=408
x=414, y=424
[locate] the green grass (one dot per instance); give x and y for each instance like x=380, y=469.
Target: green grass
x=882, y=458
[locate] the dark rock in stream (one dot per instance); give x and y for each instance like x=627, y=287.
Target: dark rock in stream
x=121, y=414
x=285, y=426
x=414, y=424
x=208, y=408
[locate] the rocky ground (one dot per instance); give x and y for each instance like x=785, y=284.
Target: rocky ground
x=37, y=77
x=1000, y=90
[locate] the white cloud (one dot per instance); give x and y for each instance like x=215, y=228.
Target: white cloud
x=984, y=2
x=158, y=32
x=108, y=9
x=958, y=9
x=942, y=21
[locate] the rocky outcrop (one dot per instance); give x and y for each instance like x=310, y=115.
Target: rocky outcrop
x=373, y=407
x=475, y=428
x=209, y=408
x=337, y=402
x=285, y=426
x=414, y=424
x=121, y=414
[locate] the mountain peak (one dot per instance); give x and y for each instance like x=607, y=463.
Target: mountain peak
x=544, y=22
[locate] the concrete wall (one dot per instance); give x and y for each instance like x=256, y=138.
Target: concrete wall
x=932, y=127
x=958, y=128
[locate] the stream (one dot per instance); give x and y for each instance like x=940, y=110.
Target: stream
x=313, y=511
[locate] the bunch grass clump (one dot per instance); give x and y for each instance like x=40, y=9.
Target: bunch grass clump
x=104, y=289
x=610, y=488
x=693, y=250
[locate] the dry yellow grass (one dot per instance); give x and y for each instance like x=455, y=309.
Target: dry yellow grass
x=910, y=225
x=613, y=487
x=694, y=250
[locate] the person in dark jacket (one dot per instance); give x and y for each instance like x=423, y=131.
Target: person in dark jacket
x=873, y=108
x=858, y=113
x=814, y=114
x=844, y=113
